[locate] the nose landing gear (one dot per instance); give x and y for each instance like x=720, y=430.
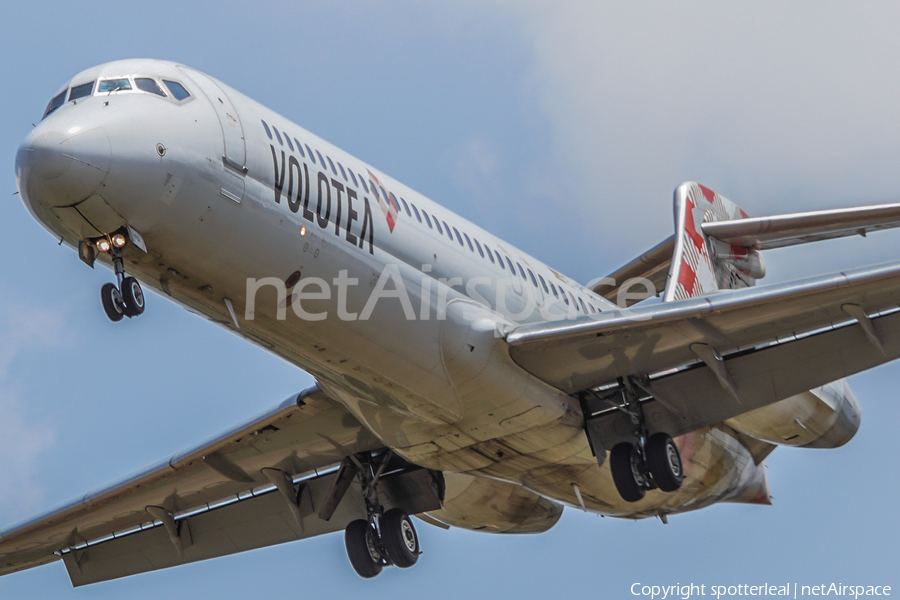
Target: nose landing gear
x=125, y=299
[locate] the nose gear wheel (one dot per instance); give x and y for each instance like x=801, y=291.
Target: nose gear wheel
x=125, y=299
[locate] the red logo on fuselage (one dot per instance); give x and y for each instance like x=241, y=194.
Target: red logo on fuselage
x=386, y=201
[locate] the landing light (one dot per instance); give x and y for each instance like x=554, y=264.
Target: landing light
x=103, y=245
x=118, y=240
x=303, y=230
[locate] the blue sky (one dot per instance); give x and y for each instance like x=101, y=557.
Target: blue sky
x=561, y=128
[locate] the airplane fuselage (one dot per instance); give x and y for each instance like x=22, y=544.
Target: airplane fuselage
x=395, y=305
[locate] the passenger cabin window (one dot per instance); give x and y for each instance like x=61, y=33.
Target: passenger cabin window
x=113, y=85
x=288, y=140
x=553, y=289
x=521, y=271
x=416, y=210
x=333, y=170
x=583, y=309
x=489, y=255
x=278, y=135
x=533, y=280
x=341, y=167
x=311, y=157
x=543, y=284
x=363, y=182
x=57, y=101
x=321, y=160
x=499, y=259
x=427, y=220
x=405, y=206
x=266, y=127
x=299, y=147
x=512, y=269
x=178, y=91
x=149, y=85
x=353, y=177
x=447, y=229
x=80, y=91
x=468, y=241
x=480, y=251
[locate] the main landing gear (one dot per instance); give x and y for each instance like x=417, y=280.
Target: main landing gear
x=652, y=462
x=649, y=464
x=384, y=538
x=388, y=539
x=127, y=298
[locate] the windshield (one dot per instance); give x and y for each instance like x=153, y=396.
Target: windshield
x=118, y=84
x=80, y=91
x=114, y=85
x=57, y=101
x=149, y=85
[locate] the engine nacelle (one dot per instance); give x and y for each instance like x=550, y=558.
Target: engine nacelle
x=494, y=506
x=825, y=417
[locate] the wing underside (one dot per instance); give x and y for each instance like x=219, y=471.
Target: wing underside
x=259, y=484
x=703, y=360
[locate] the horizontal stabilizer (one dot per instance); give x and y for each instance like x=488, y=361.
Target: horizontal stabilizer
x=652, y=265
x=733, y=239
x=763, y=233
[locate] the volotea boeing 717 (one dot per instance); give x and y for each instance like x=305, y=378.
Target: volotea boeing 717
x=458, y=379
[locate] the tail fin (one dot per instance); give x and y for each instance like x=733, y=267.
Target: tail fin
x=701, y=264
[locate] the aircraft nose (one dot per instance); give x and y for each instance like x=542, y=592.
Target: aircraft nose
x=61, y=167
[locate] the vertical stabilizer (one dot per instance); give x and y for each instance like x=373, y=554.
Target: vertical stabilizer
x=702, y=265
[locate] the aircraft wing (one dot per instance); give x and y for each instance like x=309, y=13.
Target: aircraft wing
x=706, y=359
x=261, y=483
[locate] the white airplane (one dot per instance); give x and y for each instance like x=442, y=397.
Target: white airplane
x=458, y=379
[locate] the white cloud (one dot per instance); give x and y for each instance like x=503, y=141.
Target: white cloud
x=21, y=443
x=23, y=329
x=475, y=164
x=781, y=107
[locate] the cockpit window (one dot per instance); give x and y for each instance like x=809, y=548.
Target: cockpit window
x=80, y=91
x=55, y=103
x=113, y=85
x=148, y=85
x=177, y=89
